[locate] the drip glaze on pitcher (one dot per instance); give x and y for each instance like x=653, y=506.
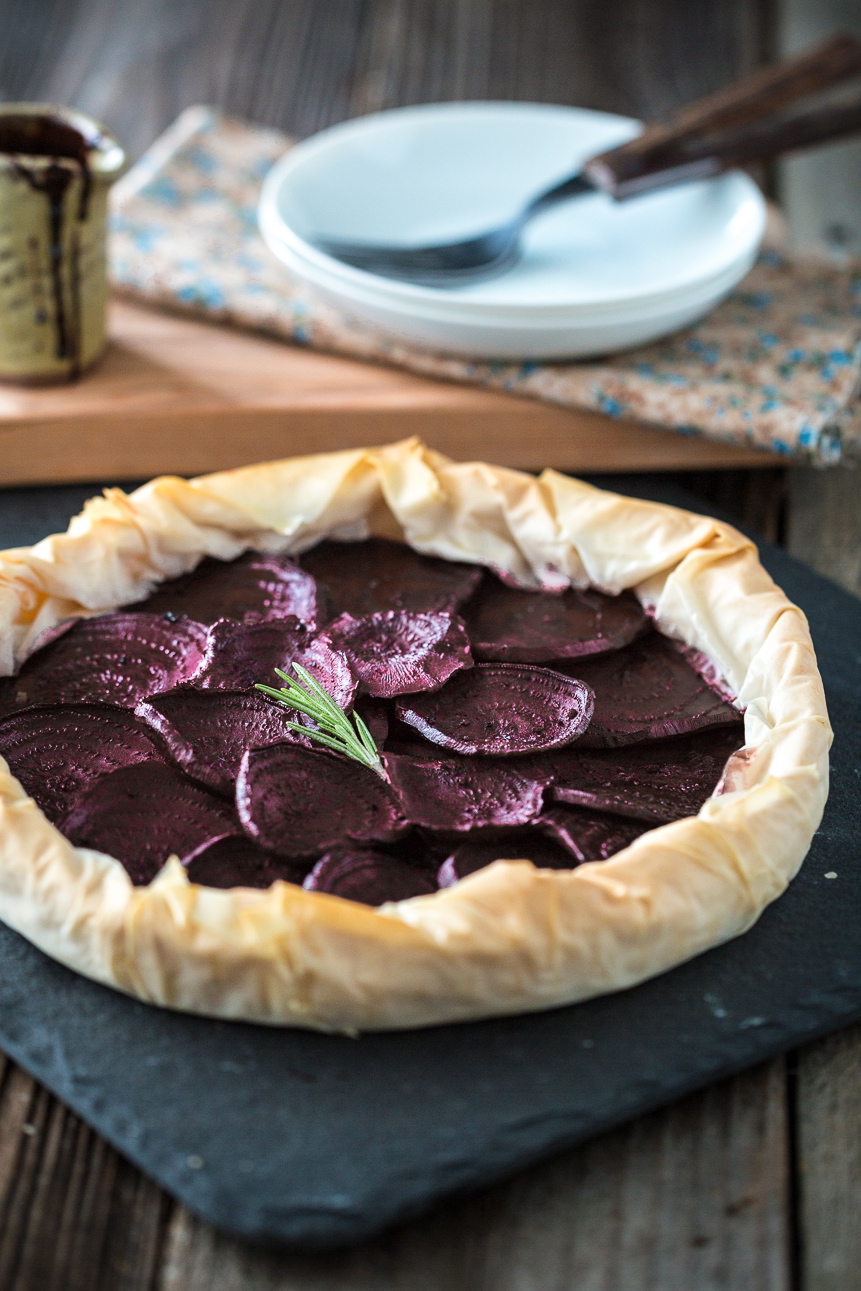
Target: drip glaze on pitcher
x=45, y=135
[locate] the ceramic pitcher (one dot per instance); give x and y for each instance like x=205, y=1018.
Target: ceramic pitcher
x=56, y=167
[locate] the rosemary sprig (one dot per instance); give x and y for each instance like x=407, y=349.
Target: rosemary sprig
x=335, y=730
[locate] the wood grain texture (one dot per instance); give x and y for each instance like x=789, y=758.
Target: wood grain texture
x=692, y=1198
x=74, y=1216
x=178, y=396
x=302, y=65
x=828, y=1082
x=825, y=522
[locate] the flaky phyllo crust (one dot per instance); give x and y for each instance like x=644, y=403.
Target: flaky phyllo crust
x=507, y=938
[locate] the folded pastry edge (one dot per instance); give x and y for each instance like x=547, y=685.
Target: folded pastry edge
x=509, y=938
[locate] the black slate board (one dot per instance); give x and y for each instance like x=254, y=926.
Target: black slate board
x=316, y=1141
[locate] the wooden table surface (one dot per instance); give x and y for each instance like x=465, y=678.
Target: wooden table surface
x=177, y=396
x=751, y=1185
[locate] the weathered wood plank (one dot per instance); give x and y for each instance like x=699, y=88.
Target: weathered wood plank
x=828, y=1083
x=303, y=66
x=691, y=1198
x=824, y=526
x=74, y=1216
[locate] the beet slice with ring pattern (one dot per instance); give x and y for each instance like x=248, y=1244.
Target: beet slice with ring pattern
x=143, y=814
x=239, y=655
x=506, y=624
x=458, y=794
x=301, y=802
x=528, y=844
x=368, y=876
x=590, y=835
x=659, y=782
x=647, y=691
x=55, y=752
x=206, y=733
x=236, y=862
x=117, y=658
x=375, y=575
x=500, y=709
x=257, y=585
x=398, y=652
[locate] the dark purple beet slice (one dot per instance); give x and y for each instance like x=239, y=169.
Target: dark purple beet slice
x=458, y=794
x=647, y=692
x=113, y=659
x=361, y=874
x=658, y=782
x=590, y=835
x=236, y=862
x=207, y=732
x=255, y=585
x=516, y=626
x=498, y=709
x=239, y=655
x=55, y=752
x=143, y=814
x=519, y=845
x=300, y=802
x=54, y=633
x=367, y=577
x=397, y=652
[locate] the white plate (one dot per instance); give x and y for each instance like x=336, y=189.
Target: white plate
x=547, y=339
x=445, y=171
x=445, y=305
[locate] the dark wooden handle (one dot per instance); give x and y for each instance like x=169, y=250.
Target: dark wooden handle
x=699, y=158
x=766, y=139
x=677, y=145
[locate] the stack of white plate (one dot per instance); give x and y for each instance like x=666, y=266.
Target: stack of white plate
x=594, y=276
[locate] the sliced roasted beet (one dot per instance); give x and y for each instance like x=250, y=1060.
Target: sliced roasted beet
x=371, y=877
x=647, y=691
x=590, y=835
x=398, y=652
x=254, y=586
x=658, y=782
x=53, y=633
x=239, y=655
x=207, y=732
x=55, y=752
x=117, y=659
x=367, y=577
x=143, y=814
x=497, y=709
x=452, y=793
x=236, y=862
x=516, y=626
x=300, y=802
x=527, y=844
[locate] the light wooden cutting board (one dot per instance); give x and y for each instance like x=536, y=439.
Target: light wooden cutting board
x=178, y=396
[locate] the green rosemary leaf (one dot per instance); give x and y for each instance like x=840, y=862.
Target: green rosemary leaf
x=333, y=729
x=364, y=734
x=310, y=683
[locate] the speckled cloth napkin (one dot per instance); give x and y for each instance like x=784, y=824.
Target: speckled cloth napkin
x=776, y=366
